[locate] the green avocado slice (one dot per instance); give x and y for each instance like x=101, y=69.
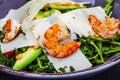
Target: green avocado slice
x=27, y=57
x=53, y=6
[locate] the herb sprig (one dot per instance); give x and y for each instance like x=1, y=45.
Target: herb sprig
x=108, y=7
x=97, y=49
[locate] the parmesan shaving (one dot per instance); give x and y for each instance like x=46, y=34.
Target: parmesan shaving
x=18, y=42
x=77, y=20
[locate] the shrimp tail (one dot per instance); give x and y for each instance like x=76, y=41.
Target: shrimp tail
x=94, y=21
x=10, y=30
x=71, y=48
x=105, y=30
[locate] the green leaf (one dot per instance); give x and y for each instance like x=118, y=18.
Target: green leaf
x=63, y=69
x=72, y=68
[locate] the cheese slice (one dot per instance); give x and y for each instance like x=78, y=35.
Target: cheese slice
x=77, y=60
x=37, y=5
x=77, y=20
x=40, y=27
x=18, y=42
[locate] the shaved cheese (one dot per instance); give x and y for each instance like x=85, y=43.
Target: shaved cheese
x=38, y=5
x=21, y=40
x=40, y=28
x=76, y=60
x=34, y=9
x=77, y=20
x=18, y=42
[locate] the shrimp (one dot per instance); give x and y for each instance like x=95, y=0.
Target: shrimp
x=10, y=30
x=105, y=30
x=53, y=36
x=56, y=32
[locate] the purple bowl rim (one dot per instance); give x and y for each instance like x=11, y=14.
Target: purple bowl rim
x=26, y=74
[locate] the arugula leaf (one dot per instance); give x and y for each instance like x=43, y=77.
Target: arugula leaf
x=108, y=7
x=109, y=1
x=6, y=61
x=41, y=65
x=1, y=35
x=21, y=50
x=63, y=69
x=97, y=49
x=72, y=68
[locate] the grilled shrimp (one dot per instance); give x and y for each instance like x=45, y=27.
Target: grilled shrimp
x=105, y=30
x=10, y=30
x=53, y=36
x=56, y=32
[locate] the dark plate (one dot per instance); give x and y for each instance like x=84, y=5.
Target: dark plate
x=5, y=5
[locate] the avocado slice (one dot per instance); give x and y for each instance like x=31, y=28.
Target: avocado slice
x=53, y=6
x=41, y=14
x=27, y=57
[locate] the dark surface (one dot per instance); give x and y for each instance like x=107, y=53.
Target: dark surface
x=112, y=73
x=6, y=5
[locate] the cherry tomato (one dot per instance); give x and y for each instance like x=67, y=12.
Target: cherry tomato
x=10, y=54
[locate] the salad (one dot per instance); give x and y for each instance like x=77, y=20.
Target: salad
x=55, y=36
